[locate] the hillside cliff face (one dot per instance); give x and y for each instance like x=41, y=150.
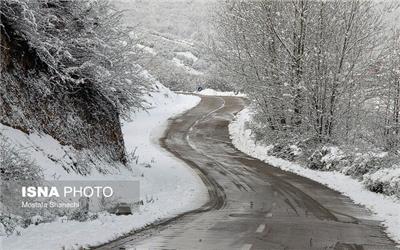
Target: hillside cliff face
x=33, y=99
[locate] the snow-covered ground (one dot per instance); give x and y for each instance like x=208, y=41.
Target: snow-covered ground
x=187, y=54
x=219, y=93
x=385, y=208
x=146, y=49
x=178, y=62
x=167, y=186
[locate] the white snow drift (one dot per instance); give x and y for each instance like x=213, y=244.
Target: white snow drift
x=213, y=92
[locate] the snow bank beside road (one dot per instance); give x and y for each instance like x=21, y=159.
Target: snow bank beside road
x=173, y=186
x=386, y=208
x=167, y=186
x=219, y=93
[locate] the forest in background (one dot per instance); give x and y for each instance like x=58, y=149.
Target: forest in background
x=175, y=35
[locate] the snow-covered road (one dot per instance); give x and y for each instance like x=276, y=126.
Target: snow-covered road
x=384, y=208
x=253, y=205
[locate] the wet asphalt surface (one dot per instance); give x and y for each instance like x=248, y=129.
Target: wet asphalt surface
x=252, y=204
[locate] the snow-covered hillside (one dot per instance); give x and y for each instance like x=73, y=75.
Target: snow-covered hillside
x=167, y=186
x=173, y=37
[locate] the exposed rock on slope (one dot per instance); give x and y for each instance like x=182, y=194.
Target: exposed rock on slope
x=32, y=98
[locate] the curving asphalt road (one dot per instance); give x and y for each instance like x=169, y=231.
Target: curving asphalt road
x=252, y=204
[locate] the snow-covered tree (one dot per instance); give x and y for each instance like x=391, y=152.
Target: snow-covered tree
x=385, y=97
x=304, y=63
x=82, y=43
